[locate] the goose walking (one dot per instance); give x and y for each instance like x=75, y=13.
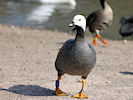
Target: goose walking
x=126, y=28
x=100, y=20
x=76, y=57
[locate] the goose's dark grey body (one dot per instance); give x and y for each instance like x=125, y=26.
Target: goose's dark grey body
x=76, y=57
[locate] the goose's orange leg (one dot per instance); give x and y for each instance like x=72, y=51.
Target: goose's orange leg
x=58, y=92
x=81, y=94
x=94, y=42
x=105, y=42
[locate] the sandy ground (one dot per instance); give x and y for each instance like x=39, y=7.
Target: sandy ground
x=27, y=69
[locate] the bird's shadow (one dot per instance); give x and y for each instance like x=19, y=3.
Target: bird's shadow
x=127, y=73
x=30, y=90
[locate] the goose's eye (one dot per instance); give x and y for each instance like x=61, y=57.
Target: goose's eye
x=79, y=19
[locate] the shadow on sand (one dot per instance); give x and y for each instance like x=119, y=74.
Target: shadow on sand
x=127, y=73
x=30, y=90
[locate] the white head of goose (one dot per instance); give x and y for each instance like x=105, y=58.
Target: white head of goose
x=76, y=57
x=100, y=20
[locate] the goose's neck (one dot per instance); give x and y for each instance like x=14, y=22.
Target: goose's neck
x=80, y=34
x=104, y=4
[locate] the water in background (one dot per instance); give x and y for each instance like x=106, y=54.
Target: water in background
x=58, y=16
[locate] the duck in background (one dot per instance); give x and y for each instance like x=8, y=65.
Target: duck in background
x=126, y=28
x=100, y=20
x=76, y=57
x=71, y=2
x=43, y=12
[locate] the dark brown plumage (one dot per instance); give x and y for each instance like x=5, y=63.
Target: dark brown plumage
x=100, y=20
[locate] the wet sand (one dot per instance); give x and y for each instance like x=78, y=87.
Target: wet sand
x=27, y=69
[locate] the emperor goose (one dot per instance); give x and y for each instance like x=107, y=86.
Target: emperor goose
x=76, y=57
